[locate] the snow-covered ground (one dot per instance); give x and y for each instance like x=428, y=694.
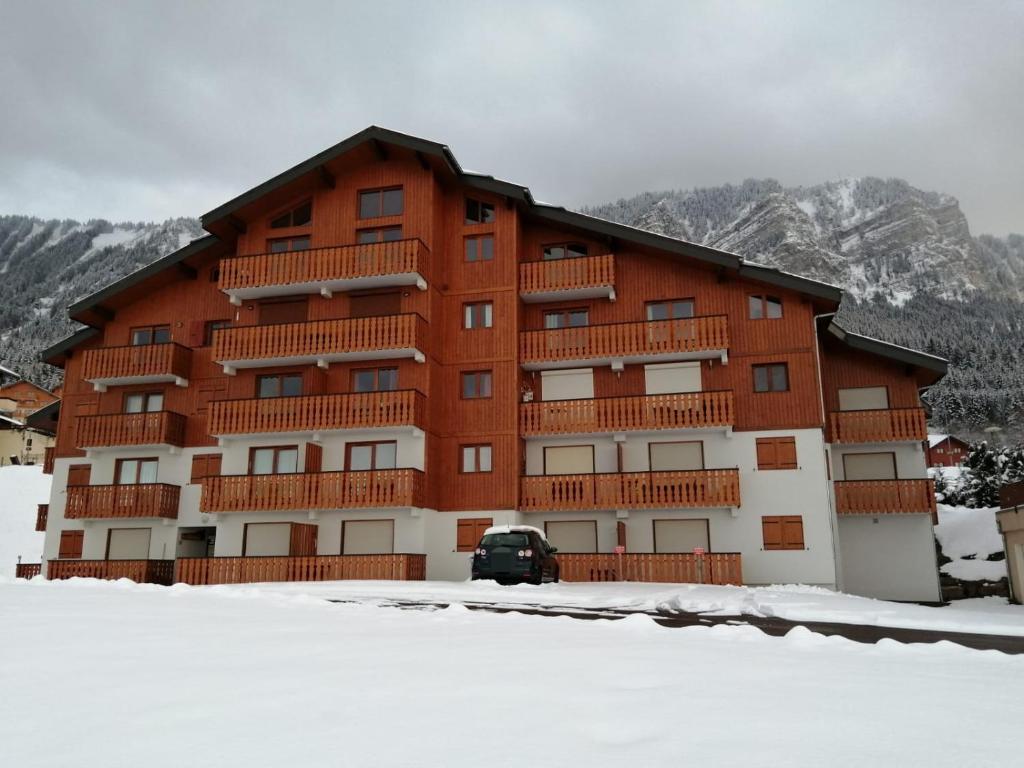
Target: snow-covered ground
x=21, y=490
x=117, y=674
x=968, y=536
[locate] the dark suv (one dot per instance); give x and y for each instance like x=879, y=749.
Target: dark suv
x=515, y=554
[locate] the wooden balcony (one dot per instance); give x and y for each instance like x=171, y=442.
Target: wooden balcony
x=140, y=571
x=117, y=501
x=325, y=270
x=671, y=568
x=48, y=456
x=704, y=488
x=244, y=570
x=146, y=364
x=882, y=426
x=317, y=413
x=386, y=337
x=27, y=570
x=315, y=490
x=688, y=410
x=587, y=277
x=660, y=341
x=885, y=497
x=42, y=515
x=161, y=428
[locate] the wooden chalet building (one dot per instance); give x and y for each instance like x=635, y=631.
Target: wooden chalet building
x=946, y=451
x=375, y=355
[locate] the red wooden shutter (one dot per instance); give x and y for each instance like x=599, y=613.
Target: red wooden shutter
x=314, y=457
x=766, y=453
x=303, y=540
x=793, y=532
x=771, y=529
x=78, y=474
x=785, y=452
x=213, y=465
x=71, y=544
x=205, y=465
x=620, y=531
x=196, y=333
x=469, y=531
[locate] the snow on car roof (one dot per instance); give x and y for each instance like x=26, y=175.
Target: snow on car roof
x=515, y=529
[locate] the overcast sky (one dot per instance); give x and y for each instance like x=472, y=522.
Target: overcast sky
x=142, y=111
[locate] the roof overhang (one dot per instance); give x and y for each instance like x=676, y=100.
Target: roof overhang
x=58, y=353
x=930, y=367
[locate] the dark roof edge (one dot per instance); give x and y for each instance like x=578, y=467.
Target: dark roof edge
x=886, y=349
x=67, y=344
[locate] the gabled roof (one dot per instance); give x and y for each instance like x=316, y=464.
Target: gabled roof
x=55, y=354
x=933, y=365
x=24, y=382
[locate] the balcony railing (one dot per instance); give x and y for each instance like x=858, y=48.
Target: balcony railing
x=584, y=277
x=631, y=490
x=336, y=268
x=244, y=570
x=885, y=497
x=687, y=410
x=48, y=457
x=661, y=340
x=881, y=426
x=124, y=429
x=42, y=514
x=314, y=490
x=317, y=413
x=321, y=341
x=673, y=568
x=140, y=571
x=27, y=570
x=137, y=364
x=141, y=500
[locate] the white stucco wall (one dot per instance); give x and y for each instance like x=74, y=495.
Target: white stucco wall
x=889, y=556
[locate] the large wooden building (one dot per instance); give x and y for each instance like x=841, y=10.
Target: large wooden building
x=375, y=355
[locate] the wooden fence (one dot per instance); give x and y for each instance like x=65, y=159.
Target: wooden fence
x=881, y=426
x=243, y=570
x=27, y=570
x=115, y=501
x=158, y=428
x=567, y=274
x=141, y=571
x=142, y=361
x=675, y=568
x=689, y=410
x=885, y=497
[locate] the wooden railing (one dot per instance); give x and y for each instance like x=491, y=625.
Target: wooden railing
x=689, y=410
x=244, y=570
x=631, y=490
x=321, y=265
x=48, y=456
x=320, y=338
x=142, y=500
x=313, y=413
x=314, y=490
x=27, y=570
x=42, y=513
x=567, y=274
x=158, y=428
x=885, y=497
x=136, y=362
x=878, y=426
x=619, y=340
x=141, y=571
x=674, y=568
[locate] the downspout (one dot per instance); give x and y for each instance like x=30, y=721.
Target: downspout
x=829, y=487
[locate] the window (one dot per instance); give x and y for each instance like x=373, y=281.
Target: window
x=135, y=471
x=380, y=202
x=379, y=235
x=478, y=212
x=762, y=307
x=476, y=458
x=776, y=453
x=477, y=315
x=210, y=327
x=205, y=465
x=375, y=380
x=275, y=460
x=783, y=532
x=279, y=385
x=469, y=531
x=564, y=251
x=296, y=217
x=285, y=244
x=675, y=309
x=773, y=377
x=476, y=385
x=366, y=456
x=566, y=318
x=480, y=248
x=152, y=334
x=70, y=544
x=144, y=402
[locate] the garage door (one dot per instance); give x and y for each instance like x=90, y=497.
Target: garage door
x=869, y=466
x=128, y=544
x=680, y=535
x=368, y=537
x=267, y=539
x=575, y=536
x=863, y=399
x=569, y=460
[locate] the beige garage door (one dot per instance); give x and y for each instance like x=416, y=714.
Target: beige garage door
x=569, y=460
x=869, y=466
x=268, y=539
x=863, y=399
x=672, y=377
x=574, y=536
x=680, y=535
x=368, y=537
x=128, y=544
x=668, y=456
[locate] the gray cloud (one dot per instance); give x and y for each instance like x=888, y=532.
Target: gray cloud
x=132, y=110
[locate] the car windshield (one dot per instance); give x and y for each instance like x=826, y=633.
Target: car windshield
x=505, y=540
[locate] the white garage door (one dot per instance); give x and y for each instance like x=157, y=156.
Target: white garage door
x=680, y=535
x=574, y=536
x=863, y=399
x=268, y=539
x=128, y=544
x=368, y=537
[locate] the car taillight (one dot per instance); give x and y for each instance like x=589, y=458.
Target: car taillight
x=526, y=553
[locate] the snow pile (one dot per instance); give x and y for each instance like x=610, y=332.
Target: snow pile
x=250, y=679
x=21, y=490
x=968, y=537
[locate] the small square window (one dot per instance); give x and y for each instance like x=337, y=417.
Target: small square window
x=476, y=385
x=764, y=307
x=480, y=248
x=478, y=315
x=478, y=212
x=773, y=377
x=476, y=458
x=380, y=202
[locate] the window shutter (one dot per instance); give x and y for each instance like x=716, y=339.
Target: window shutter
x=771, y=528
x=213, y=465
x=302, y=542
x=314, y=457
x=793, y=532
x=465, y=533
x=766, y=453
x=785, y=452
x=78, y=474
x=71, y=544
x=196, y=333
x=199, y=468
x=620, y=531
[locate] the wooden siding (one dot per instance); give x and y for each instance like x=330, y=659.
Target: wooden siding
x=49, y=453
x=567, y=274
x=42, y=514
x=631, y=490
x=243, y=570
x=138, y=362
x=117, y=501
x=140, y=571
x=885, y=497
x=691, y=410
x=681, y=568
x=315, y=490
x=124, y=429
x=878, y=426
